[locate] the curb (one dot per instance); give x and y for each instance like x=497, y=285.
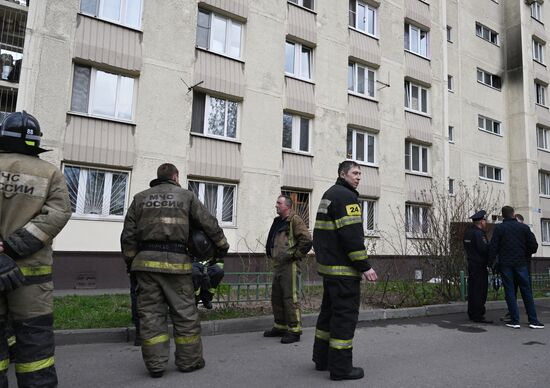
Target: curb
x=245, y=325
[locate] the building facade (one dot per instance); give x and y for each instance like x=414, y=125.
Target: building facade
x=251, y=98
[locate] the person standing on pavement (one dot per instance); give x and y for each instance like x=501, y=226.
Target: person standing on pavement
x=34, y=208
x=477, y=252
x=154, y=242
x=288, y=242
x=513, y=243
x=338, y=241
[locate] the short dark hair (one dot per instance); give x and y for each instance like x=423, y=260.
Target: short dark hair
x=167, y=171
x=288, y=200
x=519, y=217
x=507, y=211
x=346, y=165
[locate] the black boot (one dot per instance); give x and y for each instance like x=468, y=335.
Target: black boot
x=289, y=338
x=274, y=333
x=355, y=374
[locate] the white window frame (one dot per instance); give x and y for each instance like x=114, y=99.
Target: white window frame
x=301, y=4
x=368, y=8
x=297, y=132
x=487, y=34
x=540, y=94
x=486, y=170
x=369, y=74
x=543, y=138
x=419, y=228
x=451, y=133
x=298, y=61
x=207, y=111
x=122, y=20
x=423, y=163
x=536, y=10
x=107, y=191
x=538, y=51
x=492, y=126
x=227, y=34
x=545, y=231
x=544, y=184
x=489, y=79
x=219, y=201
x=366, y=153
x=409, y=87
x=368, y=207
x=423, y=47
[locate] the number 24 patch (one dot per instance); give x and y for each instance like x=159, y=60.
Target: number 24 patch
x=353, y=210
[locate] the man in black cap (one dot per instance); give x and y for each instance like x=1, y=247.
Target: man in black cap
x=477, y=251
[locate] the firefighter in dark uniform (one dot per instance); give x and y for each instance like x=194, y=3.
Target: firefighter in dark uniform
x=154, y=240
x=338, y=241
x=34, y=208
x=477, y=252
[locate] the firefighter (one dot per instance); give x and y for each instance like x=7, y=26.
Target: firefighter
x=338, y=241
x=288, y=241
x=154, y=242
x=34, y=207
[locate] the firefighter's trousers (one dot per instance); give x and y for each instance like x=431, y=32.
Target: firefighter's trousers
x=285, y=298
x=30, y=308
x=160, y=295
x=206, y=278
x=336, y=324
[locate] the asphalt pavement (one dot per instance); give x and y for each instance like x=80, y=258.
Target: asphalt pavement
x=426, y=351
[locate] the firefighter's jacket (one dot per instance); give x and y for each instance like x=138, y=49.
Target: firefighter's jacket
x=156, y=228
x=288, y=240
x=34, y=207
x=338, y=238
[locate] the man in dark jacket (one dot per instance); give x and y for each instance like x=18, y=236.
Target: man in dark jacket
x=512, y=244
x=338, y=241
x=477, y=251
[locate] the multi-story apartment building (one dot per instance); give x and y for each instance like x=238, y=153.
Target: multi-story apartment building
x=251, y=98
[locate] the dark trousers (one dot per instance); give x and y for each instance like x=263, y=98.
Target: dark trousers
x=336, y=324
x=206, y=278
x=478, y=286
x=521, y=274
x=133, y=299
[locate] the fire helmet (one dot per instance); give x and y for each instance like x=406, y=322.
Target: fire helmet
x=20, y=132
x=201, y=247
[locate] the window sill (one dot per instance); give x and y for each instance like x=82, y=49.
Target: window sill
x=81, y=217
x=488, y=41
x=489, y=86
x=363, y=32
x=306, y=80
x=373, y=234
x=544, y=196
x=537, y=20
x=451, y=142
x=418, y=113
x=301, y=153
x=219, y=54
x=363, y=96
x=490, y=180
x=302, y=7
x=225, y=139
x=542, y=106
x=539, y=62
x=425, y=2
x=490, y=133
x=136, y=29
x=451, y=90
x=418, y=55
x=364, y=164
x=543, y=149
x=416, y=173
x=104, y=118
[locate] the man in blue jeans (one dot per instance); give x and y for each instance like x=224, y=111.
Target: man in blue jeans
x=512, y=244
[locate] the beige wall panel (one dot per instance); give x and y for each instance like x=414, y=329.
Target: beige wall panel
x=541, y=72
x=418, y=68
x=418, y=11
x=107, y=43
x=543, y=114
x=297, y=171
x=545, y=208
x=369, y=186
x=538, y=30
x=301, y=24
x=299, y=96
x=418, y=188
x=544, y=160
x=236, y=7
x=364, y=47
x=363, y=112
x=419, y=127
x=219, y=74
x=99, y=141
x=212, y=158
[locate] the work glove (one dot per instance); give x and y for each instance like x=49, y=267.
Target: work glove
x=10, y=274
x=221, y=252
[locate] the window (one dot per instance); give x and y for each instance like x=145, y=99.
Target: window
x=486, y=33
x=416, y=158
x=300, y=203
x=451, y=134
x=490, y=172
x=538, y=51
x=451, y=186
x=488, y=125
x=449, y=34
x=544, y=183
x=218, y=198
x=363, y=17
x=489, y=79
x=361, y=79
x=296, y=133
x=219, y=34
x=126, y=12
x=545, y=231
x=540, y=91
x=416, y=97
x=416, y=220
x=416, y=40
x=303, y=3
x=368, y=211
x=536, y=9
x=99, y=93
x=543, y=137
x=450, y=83
x=361, y=146
x=96, y=193
x=214, y=116
x=298, y=60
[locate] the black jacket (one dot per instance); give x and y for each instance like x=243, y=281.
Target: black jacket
x=476, y=246
x=512, y=243
x=338, y=237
